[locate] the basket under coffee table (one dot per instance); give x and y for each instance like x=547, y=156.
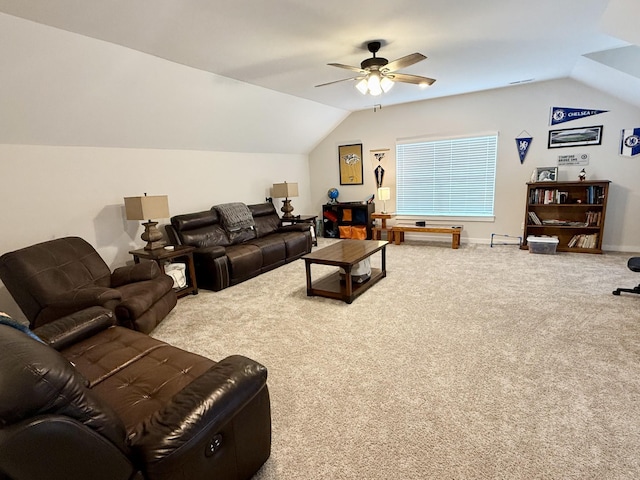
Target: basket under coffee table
x=344, y=254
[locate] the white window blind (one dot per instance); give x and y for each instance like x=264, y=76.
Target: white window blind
x=450, y=177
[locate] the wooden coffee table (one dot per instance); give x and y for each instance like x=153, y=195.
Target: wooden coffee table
x=344, y=254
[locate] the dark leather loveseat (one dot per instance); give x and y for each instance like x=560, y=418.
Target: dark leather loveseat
x=223, y=258
x=102, y=402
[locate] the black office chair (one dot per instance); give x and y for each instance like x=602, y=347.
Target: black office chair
x=634, y=266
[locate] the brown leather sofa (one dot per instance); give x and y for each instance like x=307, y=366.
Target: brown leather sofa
x=52, y=279
x=223, y=258
x=102, y=402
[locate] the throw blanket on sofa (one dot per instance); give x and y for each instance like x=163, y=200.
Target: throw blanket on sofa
x=235, y=216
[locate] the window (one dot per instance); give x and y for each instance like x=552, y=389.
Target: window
x=449, y=177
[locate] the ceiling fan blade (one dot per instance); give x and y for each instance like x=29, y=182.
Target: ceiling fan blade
x=338, y=81
x=415, y=79
x=348, y=67
x=403, y=62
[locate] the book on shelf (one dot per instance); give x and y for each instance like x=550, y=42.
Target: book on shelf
x=583, y=240
x=593, y=219
x=534, y=218
x=595, y=194
x=548, y=196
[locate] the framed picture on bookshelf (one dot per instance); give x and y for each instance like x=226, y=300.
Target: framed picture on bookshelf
x=575, y=137
x=350, y=160
x=547, y=174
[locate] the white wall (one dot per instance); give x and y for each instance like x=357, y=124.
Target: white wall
x=509, y=111
x=60, y=88
x=51, y=192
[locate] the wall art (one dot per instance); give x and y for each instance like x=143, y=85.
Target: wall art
x=575, y=137
x=350, y=161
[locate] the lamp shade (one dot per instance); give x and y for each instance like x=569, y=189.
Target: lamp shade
x=147, y=207
x=285, y=190
x=384, y=193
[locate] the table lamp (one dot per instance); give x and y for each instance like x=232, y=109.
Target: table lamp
x=285, y=190
x=384, y=194
x=146, y=208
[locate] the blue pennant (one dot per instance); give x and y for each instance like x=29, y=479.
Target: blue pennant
x=523, y=144
x=564, y=114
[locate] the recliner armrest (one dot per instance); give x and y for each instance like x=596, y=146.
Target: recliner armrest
x=85, y=297
x=68, y=330
x=204, y=406
x=138, y=272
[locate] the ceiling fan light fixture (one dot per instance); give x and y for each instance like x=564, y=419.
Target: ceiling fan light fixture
x=386, y=84
x=362, y=86
x=373, y=83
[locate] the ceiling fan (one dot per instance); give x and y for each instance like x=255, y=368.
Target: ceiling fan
x=377, y=74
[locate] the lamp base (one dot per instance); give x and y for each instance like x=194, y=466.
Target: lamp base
x=286, y=209
x=152, y=236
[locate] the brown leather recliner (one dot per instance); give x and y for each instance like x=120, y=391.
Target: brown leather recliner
x=102, y=402
x=55, y=278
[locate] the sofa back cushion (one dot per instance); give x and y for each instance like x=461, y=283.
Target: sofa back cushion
x=38, y=380
x=36, y=275
x=200, y=229
x=265, y=217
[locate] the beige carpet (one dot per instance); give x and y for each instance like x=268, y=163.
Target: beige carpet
x=472, y=363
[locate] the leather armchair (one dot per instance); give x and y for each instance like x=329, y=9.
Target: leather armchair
x=56, y=278
x=99, y=401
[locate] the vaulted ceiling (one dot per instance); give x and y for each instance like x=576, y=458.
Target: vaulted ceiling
x=285, y=45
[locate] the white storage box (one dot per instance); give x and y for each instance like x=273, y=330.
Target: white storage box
x=546, y=245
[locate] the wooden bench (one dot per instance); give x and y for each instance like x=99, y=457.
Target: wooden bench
x=398, y=231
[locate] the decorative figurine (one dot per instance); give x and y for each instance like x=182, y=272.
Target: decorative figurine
x=582, y=175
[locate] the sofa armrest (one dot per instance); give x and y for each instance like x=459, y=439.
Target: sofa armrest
x=68, y=330
x=85, y=297
x=201, y=408
x=209, y=253
x=296, y=227
x=138, y=272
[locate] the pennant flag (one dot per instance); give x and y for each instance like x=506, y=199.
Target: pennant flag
x=563, y=114
x=523, y=144
x=630, y=142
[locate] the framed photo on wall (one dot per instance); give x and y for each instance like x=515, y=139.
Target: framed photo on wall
x=575, y=137
x=350, y=161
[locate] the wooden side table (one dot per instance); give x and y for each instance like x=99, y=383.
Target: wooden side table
x=377, y=231
x=310, y=219
x=162, y=256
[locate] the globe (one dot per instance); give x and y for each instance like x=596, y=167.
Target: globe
x=333, y=193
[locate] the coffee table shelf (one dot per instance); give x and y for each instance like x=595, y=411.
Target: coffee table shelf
x=333, y=286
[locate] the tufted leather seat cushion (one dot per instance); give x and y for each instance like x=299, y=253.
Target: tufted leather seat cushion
x=135, y=374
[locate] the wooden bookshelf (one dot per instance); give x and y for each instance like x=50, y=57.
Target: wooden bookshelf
x=572, y=211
